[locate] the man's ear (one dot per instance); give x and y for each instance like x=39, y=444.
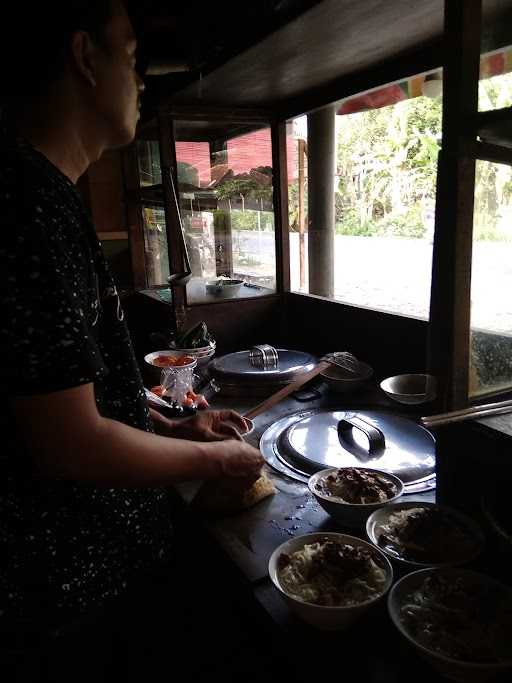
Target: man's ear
x=84, y=56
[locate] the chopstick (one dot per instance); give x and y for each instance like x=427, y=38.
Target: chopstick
x=484, y=410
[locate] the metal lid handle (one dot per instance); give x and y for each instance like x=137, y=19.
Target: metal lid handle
x=376, y=440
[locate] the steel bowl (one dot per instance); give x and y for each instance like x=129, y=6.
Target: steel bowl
x=224, y=289
x=202, y=354
x=351, y=514
x=410, y=389
x=341, y=380
x=455, y=669
x=324, y=617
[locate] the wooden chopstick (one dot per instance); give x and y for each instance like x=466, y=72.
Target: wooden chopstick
x=484, y=410
x=287, y=390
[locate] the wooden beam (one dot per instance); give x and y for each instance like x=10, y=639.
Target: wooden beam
x=134, y=221
x=411, y=63
x=450, y=309
x=488, y=152
x=280, y=197
x=201, y=112
x=172, y=223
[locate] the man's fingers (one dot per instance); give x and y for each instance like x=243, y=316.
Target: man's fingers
x=228, y=431
x=235, y=419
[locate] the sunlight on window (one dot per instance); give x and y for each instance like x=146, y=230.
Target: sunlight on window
x=384, y=202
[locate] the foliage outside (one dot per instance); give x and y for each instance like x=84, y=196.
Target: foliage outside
x=387, y=166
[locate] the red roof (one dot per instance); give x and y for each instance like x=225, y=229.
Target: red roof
x=243, y=154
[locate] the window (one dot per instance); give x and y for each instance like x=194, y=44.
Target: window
x=491, y=280
x=225, y=193
x=153, y=217
x=387, y=143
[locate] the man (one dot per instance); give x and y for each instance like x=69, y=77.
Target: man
x=81, y=503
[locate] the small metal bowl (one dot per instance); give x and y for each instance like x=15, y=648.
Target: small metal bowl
x=410, y=389
x=341, y=380
x=224, y=289
x=202, y=354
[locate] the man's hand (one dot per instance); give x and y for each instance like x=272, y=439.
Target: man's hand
x=211, y=425
x=240, y=460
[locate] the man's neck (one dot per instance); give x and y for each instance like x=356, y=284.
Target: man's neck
x=64, y=140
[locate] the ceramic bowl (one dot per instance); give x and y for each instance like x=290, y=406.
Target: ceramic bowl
x=155, y=371
x=327, y=618
x=350, y=514
x=455, y=669
x=410, y=389
x=378, y=519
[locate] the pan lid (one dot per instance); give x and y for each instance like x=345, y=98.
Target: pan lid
x=318, y=439
x=237, y=367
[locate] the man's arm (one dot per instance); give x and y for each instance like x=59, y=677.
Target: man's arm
x=67, y=438
x=208, y=425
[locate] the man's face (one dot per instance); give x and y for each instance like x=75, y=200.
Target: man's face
x=119, y=87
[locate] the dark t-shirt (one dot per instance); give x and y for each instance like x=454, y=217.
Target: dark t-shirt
x=65, y=546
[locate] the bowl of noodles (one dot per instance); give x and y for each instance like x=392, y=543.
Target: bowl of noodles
x=351, y=494
x=417, y=535
x=328, y=579
x=460, y=621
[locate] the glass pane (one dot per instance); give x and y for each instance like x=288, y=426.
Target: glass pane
x=495, y=86
x=155, y=246
x=225, y=189
x=385, y=184
x=148, y=156
x=491, y=280
x=296, y=150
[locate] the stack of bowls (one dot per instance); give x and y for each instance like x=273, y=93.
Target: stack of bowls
x=203, y=354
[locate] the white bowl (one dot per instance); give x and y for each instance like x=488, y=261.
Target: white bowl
x=322, y=617
x=410, y=389
x=341, y=380
x=455, y=669
x=381, y=517
x=224, y=289
x=351, y=514
x=155, y=371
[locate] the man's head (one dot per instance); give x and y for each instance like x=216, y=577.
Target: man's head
x=80, y=52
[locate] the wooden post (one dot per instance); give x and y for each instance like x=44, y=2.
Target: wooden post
x=450, y=308
x=168, y=166
x=280, y=204
x=134, y=216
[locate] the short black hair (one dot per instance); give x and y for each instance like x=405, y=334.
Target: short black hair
x=35, y=43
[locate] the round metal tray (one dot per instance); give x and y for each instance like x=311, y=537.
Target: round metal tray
x=236, y=368
x=409, y=451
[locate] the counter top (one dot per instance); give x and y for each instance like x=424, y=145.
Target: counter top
x=372, y=649
x=249, y=538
